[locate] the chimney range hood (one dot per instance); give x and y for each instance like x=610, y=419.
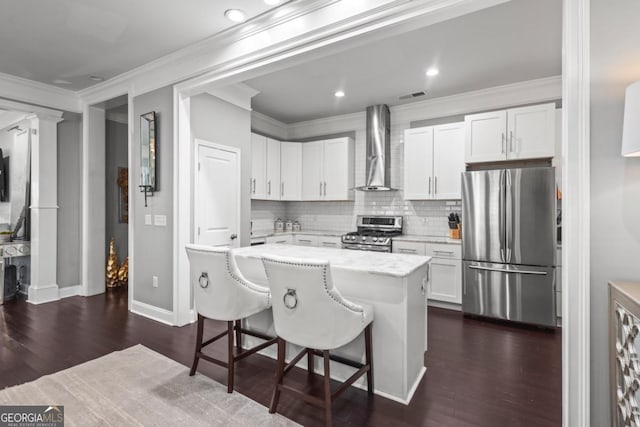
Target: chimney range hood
x=378, y=149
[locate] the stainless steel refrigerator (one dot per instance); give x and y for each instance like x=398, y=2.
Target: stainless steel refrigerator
x=509, y=244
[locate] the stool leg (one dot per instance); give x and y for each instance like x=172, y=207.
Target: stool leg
x=327, y=389
x=238, y=335
x=310, y=367
x=231, y=363
x=279, y=375
x=369, y=357
x=196, y=356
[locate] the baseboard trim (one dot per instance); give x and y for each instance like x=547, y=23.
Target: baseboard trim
x=446, y=305
x=43, y=294
x=70, y=291
x=154, y=313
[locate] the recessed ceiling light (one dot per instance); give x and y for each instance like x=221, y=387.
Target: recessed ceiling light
x=339, y=94
x=235, y=15
x=272, y=2
x=60, y=82
x=432, y=72
x=97, y=78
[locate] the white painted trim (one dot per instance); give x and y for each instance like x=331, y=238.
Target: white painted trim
x=70, y=291
x=155, y=313
x=269, y=126
x=40, y=112
x=576, y=208
x=32, y=92
x=238, y=94
x=132, y=212
x=43, y=294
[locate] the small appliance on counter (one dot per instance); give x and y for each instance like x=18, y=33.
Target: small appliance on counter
x=278, y=225
x=374, y=233
x=296, y=226
x=288, y=226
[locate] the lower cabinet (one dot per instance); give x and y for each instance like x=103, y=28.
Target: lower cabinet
x=286, y=239
x=329, y=242
x=445, y=283
x=306, y=240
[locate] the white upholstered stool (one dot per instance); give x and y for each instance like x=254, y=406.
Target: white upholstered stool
x=310, y=312
x=222, y=293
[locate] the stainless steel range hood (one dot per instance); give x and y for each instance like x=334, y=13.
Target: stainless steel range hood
x=378, y=149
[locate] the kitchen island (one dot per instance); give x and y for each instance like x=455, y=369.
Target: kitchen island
x=394, y=284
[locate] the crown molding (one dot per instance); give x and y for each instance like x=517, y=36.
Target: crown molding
x=36, y=93
x=263, y=124
x=326, y=125
x=31, y=110
x=118, y=117
x=238, y=94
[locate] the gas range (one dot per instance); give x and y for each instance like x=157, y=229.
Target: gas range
x=374, y=233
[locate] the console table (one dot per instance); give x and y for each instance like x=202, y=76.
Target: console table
x=11, y=250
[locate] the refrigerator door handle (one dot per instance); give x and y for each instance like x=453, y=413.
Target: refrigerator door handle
x=508, y=216
x=504, y=270
x=502, y=215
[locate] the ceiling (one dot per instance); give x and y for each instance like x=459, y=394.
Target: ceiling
x=513, y=42
x=70, y=40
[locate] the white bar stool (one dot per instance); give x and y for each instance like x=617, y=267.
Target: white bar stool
x=222, y=293
x=310, y=312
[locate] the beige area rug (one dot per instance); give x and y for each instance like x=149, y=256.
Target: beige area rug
x=139, y=387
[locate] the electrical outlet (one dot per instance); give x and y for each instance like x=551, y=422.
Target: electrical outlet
x=154, y=281
x=160, y=220
x=147, y=219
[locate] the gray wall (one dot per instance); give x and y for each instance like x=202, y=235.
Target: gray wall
x=153, y=247
x=217, y=121
x=615, y=181
x=70, y=200
x=117, y=156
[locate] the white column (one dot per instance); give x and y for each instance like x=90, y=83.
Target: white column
x=44, y=209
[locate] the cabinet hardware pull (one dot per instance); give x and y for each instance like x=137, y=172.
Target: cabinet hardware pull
x=429, y=186
x=282, y=188
x=325, y=188
x=407, y=250
x=254, y=186
x=435, y=185
x=321, y=188
x=502, y=150
x=511, y=141
x=269, y=184
x=443, y=252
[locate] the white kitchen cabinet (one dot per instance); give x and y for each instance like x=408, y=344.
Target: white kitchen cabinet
x=290, y=171
x=414, y=248
x=328, y=169
x=273, y=169
x=286, y=239
x=433, y=162
x=445, y=283
x=513, y=134
x=329, y=242
x=258, y=166
x=306, y=240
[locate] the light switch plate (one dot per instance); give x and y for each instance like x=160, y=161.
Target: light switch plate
x=160, y=220
x=147, y=219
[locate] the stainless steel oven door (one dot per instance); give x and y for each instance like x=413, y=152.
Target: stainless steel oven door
x=360, y=247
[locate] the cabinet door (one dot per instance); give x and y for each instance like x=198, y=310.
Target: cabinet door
x=448, y=161
x=273, y=169
x=329, y=242
x=418, y=163
x=485, y=137
x=446, y=280
x=415, y=248
x=290, y=171
x=338, y=169
x=286, y=239
x=258, y=166
x=312, y=170
x=531, y=132
x=306, y=240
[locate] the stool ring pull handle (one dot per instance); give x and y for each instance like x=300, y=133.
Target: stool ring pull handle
x=290, y=299
x=204, y=280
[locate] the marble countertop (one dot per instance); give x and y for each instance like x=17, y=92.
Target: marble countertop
x=388, y=264
x=426, y=239
x=266, y=233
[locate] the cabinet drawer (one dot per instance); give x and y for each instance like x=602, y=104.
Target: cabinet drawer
x=288, y=239
x=408, y=248
x=306, y=240
x=329, y=242
x=444, y=250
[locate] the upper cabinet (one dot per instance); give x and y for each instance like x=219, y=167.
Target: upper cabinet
x=433, y=162
x=328, y=169
x=290, y=171
x=258, y=166
x=513, y=134
x=273, y=169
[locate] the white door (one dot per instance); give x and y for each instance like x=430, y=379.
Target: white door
x=418, y=163
x=485, y=137
x=258, y=166
x=273, y=169
x=312, y=170
x=217, y=195
x=335, y=185
x=448, y=160
x=290, y=171
x=532, y=132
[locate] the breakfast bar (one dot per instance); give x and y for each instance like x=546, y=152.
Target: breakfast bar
x=394, y=284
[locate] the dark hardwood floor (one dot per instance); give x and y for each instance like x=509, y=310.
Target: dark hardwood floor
x=479, y=373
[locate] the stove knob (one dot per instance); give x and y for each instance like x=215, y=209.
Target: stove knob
x=353, y=237
x=375, y=239
x=364, y=238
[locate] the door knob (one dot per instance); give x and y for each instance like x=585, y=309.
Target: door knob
x=233, y=236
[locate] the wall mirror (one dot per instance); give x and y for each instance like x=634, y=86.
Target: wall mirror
x=148, y=141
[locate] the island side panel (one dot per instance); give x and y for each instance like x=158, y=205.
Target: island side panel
x=416, y=320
